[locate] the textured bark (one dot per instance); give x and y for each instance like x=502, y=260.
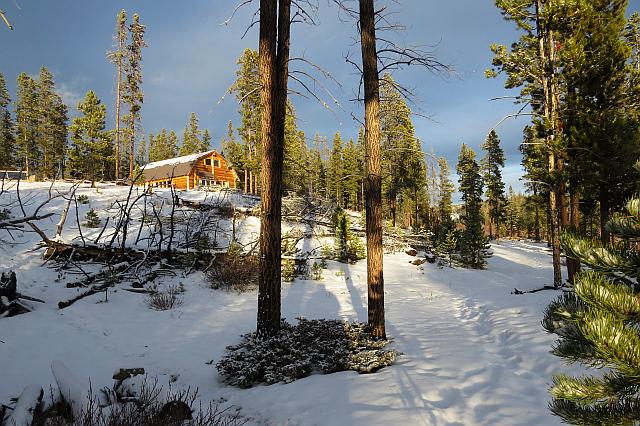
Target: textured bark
x=604, y=216
x=537, y=215
x=573, y=265
x=273, y=77
x=373, y=186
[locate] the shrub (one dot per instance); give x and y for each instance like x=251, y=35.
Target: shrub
x=233, y=270
x=167, y=299
x=83, y=199
x=347, y=247
x=316, y=271
x=93, y=220
x=288, y=270
x=324, y=346
x=147, y=408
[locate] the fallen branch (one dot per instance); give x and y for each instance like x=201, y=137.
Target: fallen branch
x=546, y=287
x=93, y=290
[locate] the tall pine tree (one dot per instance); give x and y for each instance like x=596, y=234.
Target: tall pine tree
x=27, y=123
x=492, y=163
x=192, y=141
x=446, y=187
x=132, y=93
x=7, y=138
x=52, y=127
x=163, y=146
x=473, y=242
x=90, y=155
x=118, y=58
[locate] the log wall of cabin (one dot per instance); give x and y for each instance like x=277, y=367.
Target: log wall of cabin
x=221, y=173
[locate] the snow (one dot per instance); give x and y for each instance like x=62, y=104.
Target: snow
x=472, y=353
x=177, y=160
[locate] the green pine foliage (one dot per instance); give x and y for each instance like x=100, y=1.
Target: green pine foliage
x=473, y=243
x=597, y=326
x=353, y=162
x=335, y=172
x=402, y=162
x=91, y=151
x=7, y=137
x=492, y=163
x=449, y=245
x=26, y=107
x=246, y=89
x=132, y=95
x=93, y=220
x=51, y=128
x=163, y=145
x=294, y=177
x=347, y=246
x=446, y=188
x=192, y=141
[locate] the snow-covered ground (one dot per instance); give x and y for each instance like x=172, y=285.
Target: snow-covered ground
x=473, y=354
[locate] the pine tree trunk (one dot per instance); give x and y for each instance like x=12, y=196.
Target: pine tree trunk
x=536, y=214
x=273, y=76
x=604, y=216
x=132, y=144
x=573, y=265
x=550, y=115
x=373, y=187
x=118, y=102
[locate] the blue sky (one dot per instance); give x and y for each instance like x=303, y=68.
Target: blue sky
x=191, y=61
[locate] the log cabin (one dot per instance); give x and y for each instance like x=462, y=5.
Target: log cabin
x=197, y=171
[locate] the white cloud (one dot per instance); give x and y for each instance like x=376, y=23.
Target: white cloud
x=70, y=96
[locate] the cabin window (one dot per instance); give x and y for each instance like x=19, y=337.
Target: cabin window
x=216, y=163
x=207, y=161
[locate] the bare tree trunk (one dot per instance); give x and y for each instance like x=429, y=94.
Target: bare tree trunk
x=273, y=75
x=373, y=186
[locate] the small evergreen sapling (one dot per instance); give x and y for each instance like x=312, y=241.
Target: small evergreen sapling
x=449, y=245
x=316, y=271
x=93, y=220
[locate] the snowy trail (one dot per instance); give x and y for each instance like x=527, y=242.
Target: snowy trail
x=469, y=357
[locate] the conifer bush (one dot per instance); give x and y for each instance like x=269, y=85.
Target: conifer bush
x=93, y=220
x=597, y=326
x=322, y=346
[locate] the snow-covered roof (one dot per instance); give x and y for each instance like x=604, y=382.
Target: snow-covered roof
x=178, y=160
